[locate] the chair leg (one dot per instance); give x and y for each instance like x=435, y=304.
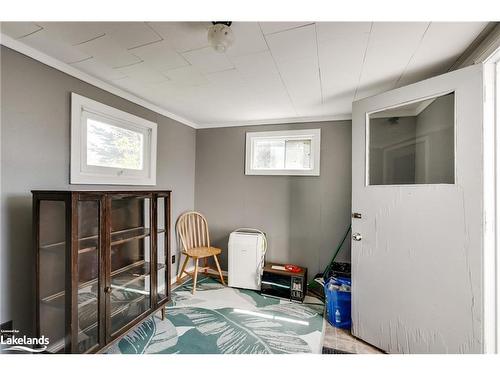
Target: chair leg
x=183, y=268
x=218, y=269
x=195, y=276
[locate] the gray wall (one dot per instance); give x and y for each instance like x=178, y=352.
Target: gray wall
x=35, y=145
x=304, y=216
x=437, y=123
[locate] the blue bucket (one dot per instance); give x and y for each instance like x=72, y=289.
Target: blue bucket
x=338, y=302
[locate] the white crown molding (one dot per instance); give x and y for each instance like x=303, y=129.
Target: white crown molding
x=482, y=48
x=276, y=121
x=35, y=54
x=20, y=47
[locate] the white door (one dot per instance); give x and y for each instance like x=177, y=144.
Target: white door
x=417, y=183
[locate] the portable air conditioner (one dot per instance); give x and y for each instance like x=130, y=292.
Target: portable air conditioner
x=246, y=250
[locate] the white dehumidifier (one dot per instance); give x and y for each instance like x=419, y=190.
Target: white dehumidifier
x=246, y=251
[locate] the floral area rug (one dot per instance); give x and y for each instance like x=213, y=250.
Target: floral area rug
x=221, y=320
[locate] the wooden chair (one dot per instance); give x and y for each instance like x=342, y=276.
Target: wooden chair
x=192, y=228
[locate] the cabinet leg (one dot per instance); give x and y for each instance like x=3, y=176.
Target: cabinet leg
x=163, y=314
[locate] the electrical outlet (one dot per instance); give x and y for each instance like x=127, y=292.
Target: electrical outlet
x=173, y=259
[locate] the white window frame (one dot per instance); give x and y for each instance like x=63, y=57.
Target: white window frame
x=314, y=135
x=83, y=108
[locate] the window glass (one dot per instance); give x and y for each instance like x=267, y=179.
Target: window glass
x=269, y=154
x=413, y=143
x=113, y=146
x=298, y=154
x=110, y=146
x=290, y=152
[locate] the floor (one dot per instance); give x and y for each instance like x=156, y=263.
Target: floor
x=340, y=341
x=222, y=320
x=191, y=315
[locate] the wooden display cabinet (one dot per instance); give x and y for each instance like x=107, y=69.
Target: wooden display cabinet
x=102, y=261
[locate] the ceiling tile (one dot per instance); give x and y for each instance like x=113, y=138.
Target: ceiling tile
x=43, y=41
x=106, y=51
x=293, y=44
x=248, y=39
x=161, y=55
x=183, y=36
x=74, y=32
x=144, y=73
x=301, y=78
x=298, y=67
x=207, y=60
x=17, y=30
x=186, y=76
x=275, y=27
x=227, y=78
x=335, y=30
x=389, y=51
x=132, y=34
x=95, y=68
x=255, y=65
x=341, y=60
x=450, y=39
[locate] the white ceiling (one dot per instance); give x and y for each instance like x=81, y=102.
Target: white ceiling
x=274, y=70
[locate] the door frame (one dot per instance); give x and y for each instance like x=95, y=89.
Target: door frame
x=491, y=199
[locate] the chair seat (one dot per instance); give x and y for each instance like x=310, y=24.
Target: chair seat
x=202, y=252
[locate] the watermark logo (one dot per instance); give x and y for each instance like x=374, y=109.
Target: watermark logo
x=10, y=342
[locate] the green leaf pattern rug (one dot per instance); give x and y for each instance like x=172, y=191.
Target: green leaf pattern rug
x=220, y=320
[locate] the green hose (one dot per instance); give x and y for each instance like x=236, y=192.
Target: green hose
x=329, y=267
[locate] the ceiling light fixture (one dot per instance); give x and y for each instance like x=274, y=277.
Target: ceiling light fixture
x=220, y=35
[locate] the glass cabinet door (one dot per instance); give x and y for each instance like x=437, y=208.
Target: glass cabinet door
x=88, y=274
x=51, y=272
x=161, y=249
x=130, y=257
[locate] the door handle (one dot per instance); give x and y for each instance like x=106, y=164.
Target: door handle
x=357, y=237
x=107, y=289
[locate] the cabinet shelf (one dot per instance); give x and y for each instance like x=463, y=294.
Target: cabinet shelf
x=146, y=266
x=126, y=235
x=86, y=244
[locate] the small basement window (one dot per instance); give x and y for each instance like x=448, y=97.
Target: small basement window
x=109, y=146
x=289, y=152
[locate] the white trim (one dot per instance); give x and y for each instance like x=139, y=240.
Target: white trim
x=483, y=51
x=83, y=108
x=313, y=134
x=20, y=47
x=491, y=205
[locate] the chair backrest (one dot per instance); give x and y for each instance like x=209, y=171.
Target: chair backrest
x=193, y=230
